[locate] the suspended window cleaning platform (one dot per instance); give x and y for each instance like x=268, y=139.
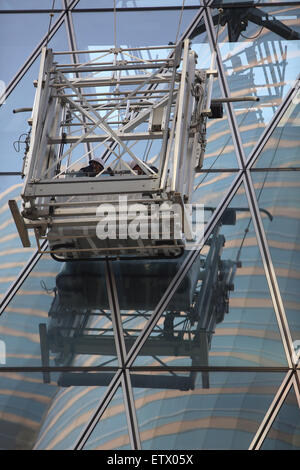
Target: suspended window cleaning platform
x=119, y=130
x=114, y=145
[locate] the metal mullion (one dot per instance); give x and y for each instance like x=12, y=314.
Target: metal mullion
x=272, y=412
x=135, y=9
x=175, y=282
x=87, y=431
x=27, y=64
x=132, y=422
x=237, y=141
x=269, y=269
x=115, y=314
x=273, y=124
x=198, y=368
x=35, y=369
x=70, y=32
x=121, y=352
x=160, y=368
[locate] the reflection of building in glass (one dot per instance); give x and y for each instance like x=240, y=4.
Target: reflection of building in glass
x=193, y=353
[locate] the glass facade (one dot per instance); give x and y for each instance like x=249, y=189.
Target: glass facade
x=201, y=353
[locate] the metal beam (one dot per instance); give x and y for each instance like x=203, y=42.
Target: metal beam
x=71, y=139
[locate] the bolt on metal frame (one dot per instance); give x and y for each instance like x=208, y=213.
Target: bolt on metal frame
x=244, y=174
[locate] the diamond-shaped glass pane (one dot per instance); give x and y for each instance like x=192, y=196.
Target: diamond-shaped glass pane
x=278, y=193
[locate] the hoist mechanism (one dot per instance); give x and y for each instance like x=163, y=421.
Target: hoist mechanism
x=114, y=145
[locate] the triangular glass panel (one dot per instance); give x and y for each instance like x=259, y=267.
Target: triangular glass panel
x=175, y=411
x=282, y=148
x=222, y=313
x=277, y=193
x=111, y=432
x=78, y=396
x=60, y=316
x=285, y=430
x=260, y=60
x=20, y=34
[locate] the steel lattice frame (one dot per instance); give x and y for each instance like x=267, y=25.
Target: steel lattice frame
x=126, y=359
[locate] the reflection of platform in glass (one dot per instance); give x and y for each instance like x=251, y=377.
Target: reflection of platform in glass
x=164, y=381
x=185, y=329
